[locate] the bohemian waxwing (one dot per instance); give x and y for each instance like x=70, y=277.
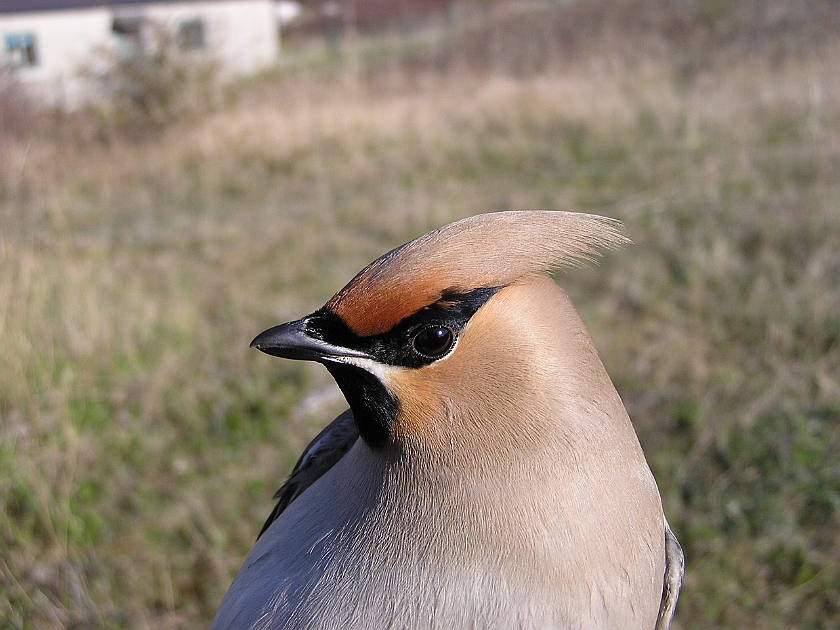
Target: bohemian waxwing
x=486, y=474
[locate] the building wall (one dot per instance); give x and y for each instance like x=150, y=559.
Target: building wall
x=64, y=42
x=241, y=35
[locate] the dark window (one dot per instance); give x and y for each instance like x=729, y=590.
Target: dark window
x=128, y=30
x=21, y=50
x=191, y=34
x=127, y=25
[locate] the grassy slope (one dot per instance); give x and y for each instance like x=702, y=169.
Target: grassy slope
x=141, y=440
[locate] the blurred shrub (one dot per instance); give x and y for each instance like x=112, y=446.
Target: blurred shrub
x=18, y=112
x=154, y=83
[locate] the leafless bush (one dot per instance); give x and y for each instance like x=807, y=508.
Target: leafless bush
x=153, y=84
x=18, y=112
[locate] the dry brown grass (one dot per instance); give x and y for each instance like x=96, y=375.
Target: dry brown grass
x=141, y=439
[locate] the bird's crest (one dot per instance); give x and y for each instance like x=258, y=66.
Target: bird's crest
x=486, y=250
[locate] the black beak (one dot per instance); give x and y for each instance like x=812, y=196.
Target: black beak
x=301, y=340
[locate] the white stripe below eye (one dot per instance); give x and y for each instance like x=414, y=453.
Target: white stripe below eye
x=383, y=370
x=379, y=370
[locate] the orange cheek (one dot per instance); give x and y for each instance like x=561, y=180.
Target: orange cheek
x=434, y=399
x=430, y=400
x=422, y=409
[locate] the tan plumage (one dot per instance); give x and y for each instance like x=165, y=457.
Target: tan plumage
x=498, y=481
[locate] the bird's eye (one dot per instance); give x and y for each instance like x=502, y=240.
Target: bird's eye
x=434, y=341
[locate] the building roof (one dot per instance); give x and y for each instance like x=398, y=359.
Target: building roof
x=29, y=6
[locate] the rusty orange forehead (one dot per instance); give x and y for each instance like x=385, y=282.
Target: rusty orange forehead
x=372, y=308
x=485, y=250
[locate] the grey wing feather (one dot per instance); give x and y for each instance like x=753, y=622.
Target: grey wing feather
x=674, y=569
x=323, y=452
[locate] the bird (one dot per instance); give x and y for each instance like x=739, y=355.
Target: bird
x=486, y=474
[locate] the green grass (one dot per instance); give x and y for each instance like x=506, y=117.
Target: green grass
x=141, y=439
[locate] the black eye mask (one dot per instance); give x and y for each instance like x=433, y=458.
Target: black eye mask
x=418, y=340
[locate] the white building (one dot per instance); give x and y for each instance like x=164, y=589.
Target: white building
x=48, y=42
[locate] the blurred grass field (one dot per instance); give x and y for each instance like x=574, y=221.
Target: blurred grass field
x=141, y=439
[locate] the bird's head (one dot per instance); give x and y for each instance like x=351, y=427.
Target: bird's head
x=435, y=335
